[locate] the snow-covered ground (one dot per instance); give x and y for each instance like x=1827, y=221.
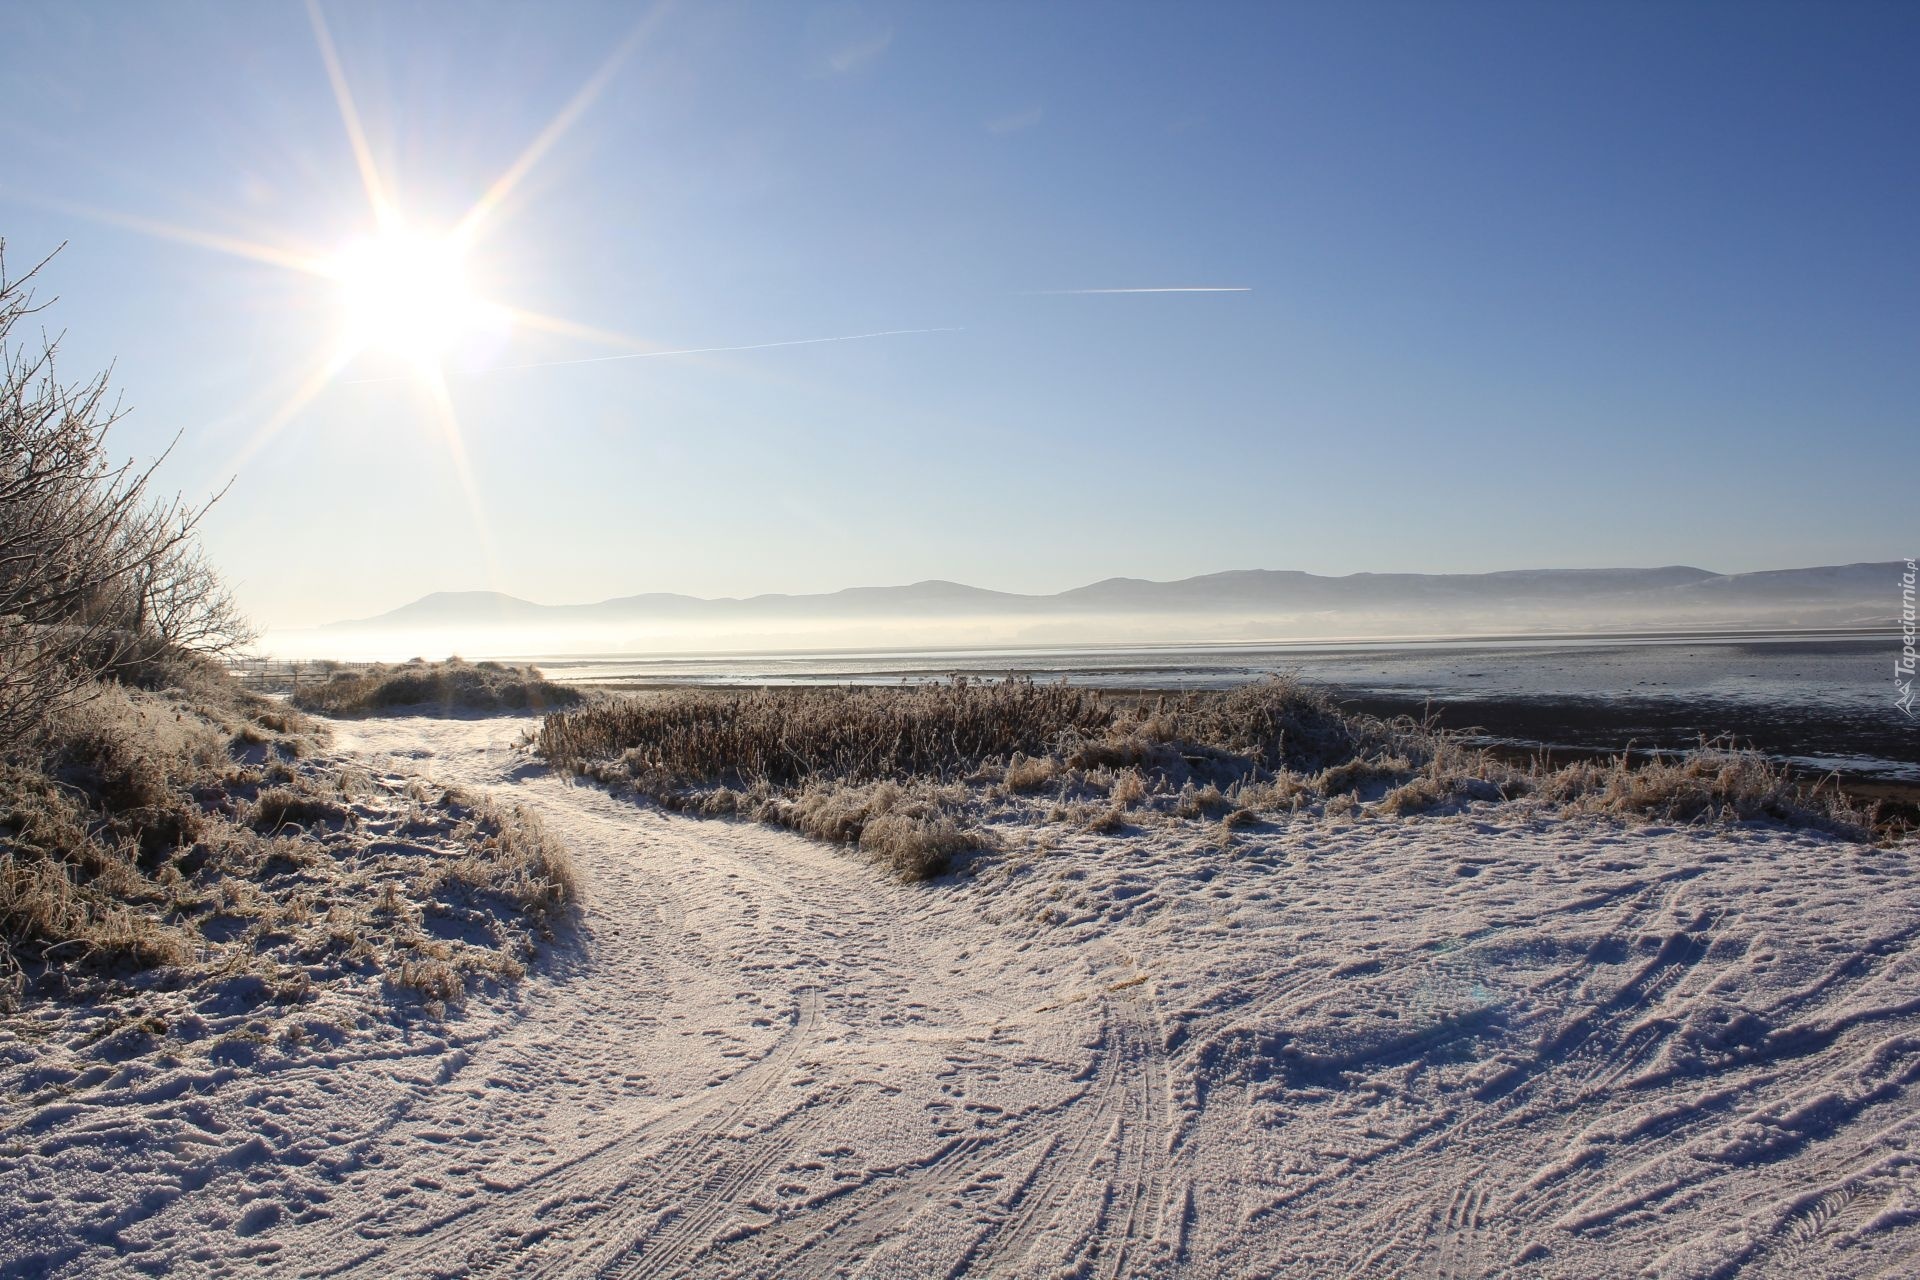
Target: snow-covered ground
x=1459, y=1046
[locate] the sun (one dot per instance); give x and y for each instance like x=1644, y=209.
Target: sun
x=405, y=290
x=407, y=293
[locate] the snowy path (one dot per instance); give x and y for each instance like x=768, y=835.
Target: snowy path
x=1442, y=1048
x=772, y=1061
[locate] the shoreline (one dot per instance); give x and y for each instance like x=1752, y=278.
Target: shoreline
x=1815, y=742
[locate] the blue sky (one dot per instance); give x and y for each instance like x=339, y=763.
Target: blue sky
x=1529, y=286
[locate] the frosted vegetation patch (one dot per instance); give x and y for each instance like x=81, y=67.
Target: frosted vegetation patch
x=171, y=838
x=448, y=688
x=918, y=775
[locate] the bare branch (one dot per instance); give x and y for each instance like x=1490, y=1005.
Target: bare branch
x=98, y=574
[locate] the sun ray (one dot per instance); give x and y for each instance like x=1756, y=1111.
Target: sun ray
x=291, y=259
x=434, y=383
x=383, y=211
x=573, y=329
x=627, y=345
x=310, y=386
x=468, y=227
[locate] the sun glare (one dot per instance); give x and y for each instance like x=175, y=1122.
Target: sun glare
x=408, y=294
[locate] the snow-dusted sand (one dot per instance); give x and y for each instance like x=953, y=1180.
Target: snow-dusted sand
x=1433, y=1047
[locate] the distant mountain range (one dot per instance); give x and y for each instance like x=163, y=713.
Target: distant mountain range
x=1558, y=597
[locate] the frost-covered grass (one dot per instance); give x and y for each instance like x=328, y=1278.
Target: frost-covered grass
x=1210, y=1042
x=1712, y=783
x=916, y=775
x=93, y=830
x=194, y=830
x=451, y=686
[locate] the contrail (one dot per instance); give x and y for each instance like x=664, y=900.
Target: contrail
x=683, y=351
x=1194, y=288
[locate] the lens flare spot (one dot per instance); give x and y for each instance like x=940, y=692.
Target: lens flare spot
x=408, y=293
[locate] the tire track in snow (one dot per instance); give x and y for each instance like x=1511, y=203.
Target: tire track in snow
x=1128, y=1075
x=1461, y=1252
x=1629, y=1028
x=1063, y=1151
x=1141, y=1175
x=840, y=1229
x=688, y=1230
x=1613, y=1044
x=1794, y=1067
x=1572, y=1059
x=460, y=1242
x=687, y=1145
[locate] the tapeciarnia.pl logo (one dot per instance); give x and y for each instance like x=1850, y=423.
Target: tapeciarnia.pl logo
x=1903, y=665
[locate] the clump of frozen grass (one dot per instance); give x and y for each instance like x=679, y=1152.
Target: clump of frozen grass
x=511, y=855
x=1453, y=774
x=1030, y=773
x=298, y=804
x=1127, y=789
x=95, y=824
x=1200, y=802
x=47, y=907
x=916, y=847
x=1711, y=783
x=444, y=687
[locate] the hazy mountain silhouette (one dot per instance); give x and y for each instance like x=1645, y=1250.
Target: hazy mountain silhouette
x=1866, y=590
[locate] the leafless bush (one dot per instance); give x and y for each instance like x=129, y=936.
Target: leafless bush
x=97, y=574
